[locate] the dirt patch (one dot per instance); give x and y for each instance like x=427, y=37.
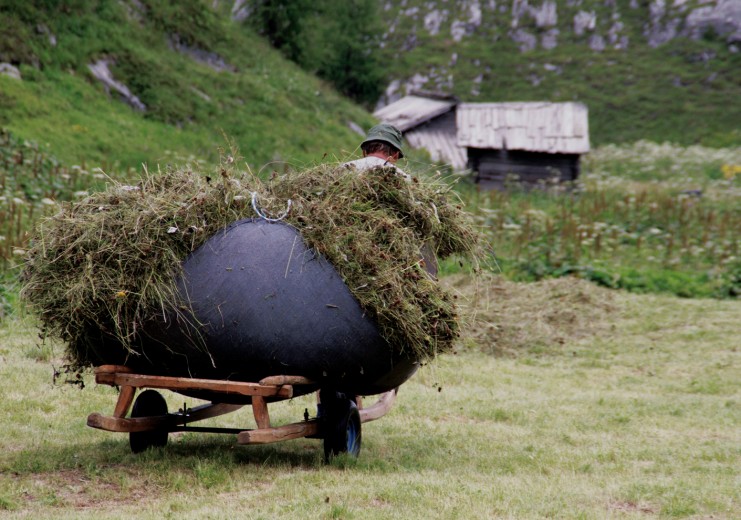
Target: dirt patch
x=631, y=507
x=80, y=490
x=507, y=318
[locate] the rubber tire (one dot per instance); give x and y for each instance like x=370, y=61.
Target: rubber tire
x=342, y=431
x=149, y=403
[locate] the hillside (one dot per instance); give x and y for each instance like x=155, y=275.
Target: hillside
x=649, y=69
x=135, y=81
x=127, y=82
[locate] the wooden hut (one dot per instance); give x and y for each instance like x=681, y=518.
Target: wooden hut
x=525, y=142
x=427, y=121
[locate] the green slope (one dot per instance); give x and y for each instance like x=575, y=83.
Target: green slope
x=201, y=76
x=684, y=91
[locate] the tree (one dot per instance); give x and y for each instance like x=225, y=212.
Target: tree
x=350, y=38
x=282, y=23
x=338, y=40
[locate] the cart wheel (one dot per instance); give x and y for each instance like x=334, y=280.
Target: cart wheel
x=342, y=429
x=150, y=403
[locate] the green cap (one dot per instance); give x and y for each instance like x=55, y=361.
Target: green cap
x=386, y=133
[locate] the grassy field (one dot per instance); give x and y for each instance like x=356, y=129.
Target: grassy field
x=643, y=217
x=565, y=400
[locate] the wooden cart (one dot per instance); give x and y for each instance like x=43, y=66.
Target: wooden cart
x=150, y=423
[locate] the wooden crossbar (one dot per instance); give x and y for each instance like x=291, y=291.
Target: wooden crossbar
x=111, y=375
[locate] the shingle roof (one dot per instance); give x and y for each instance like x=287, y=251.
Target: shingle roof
x=411, y=111
x=534, y=126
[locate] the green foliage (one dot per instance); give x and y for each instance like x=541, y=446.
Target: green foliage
x=201, y=76
x=349, y=34
x=192, y=23
x=643, y=218
x=283, y=23
x=336, y=39
x=32, y=182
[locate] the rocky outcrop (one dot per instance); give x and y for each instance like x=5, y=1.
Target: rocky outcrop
x=102, y=72
x=544, y=24
x=6, y=69
x=204, y=57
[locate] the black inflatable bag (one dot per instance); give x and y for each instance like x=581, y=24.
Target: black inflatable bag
x=262, y=303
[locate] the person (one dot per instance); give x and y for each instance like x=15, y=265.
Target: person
x=381, y=147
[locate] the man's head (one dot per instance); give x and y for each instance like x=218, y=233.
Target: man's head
x=383, y=139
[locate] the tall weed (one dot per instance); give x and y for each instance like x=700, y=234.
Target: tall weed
x=647, y=218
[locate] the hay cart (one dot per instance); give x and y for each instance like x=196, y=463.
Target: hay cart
x=260, y=304
x=338, y=422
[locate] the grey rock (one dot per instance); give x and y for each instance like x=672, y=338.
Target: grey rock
x=526, y=40
x=549, y=40
x=240, y=10
x=722, y=16
x=433, y=20
x=208, y=58
x=597, y=43
x=6, y=69
x=584, y=21
x=101, y=71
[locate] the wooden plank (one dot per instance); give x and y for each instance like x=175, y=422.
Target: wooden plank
x=110, y=369
x=125, y=398
x=187, y=383
x=120, y=424
x=380, y=408
x=160, y=422
x=208, y=411
x=286, y=380
x=280, y=433
x=260, y=410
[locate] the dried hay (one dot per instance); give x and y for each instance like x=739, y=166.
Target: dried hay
x=110, y=261
x=509, y=318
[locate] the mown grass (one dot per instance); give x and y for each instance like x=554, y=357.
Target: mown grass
x=637, y=418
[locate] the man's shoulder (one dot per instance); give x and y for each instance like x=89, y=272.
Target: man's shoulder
x=367, y=163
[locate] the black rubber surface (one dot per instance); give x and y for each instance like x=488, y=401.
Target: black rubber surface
x=263, y=304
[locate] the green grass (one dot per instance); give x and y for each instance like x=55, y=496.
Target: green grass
x=266, y=105
x=639, y=421
x=643, y=217
x=669, y=93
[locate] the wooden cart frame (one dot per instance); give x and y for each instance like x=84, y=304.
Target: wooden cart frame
x=150, y=423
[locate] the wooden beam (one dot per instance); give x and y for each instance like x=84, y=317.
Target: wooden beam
x=125, y=398
x=260, y=410
x=160, y=422
x=380, y=408
x=280, y=433
x=188, y=383
x=110, y=369
x=286, y=380
x=120, y=424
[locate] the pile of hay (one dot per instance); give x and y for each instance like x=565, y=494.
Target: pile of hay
x=109, y=262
